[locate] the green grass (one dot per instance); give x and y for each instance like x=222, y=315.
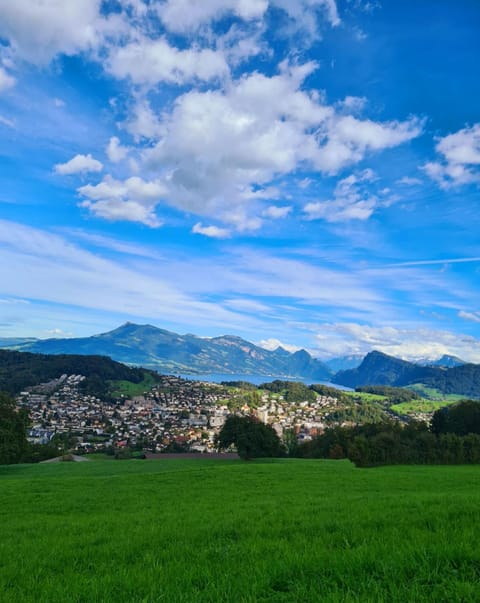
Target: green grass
x=186, y=531
x=431, y=393
x=423, y=405
x=127, y=388
x=365, y=396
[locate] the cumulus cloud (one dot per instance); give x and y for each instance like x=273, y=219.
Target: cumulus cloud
x=188, y=15
x=460, y=159
x=220, y=149
x=133, y=199
x=211, y=231
x=347, y=139
x=353, y=200
x=153, y=61
x=143, y=123
x=352, y=104
x=6, y=81
x=305, y=14
x=411, y=344
x=182, y=16
x=80, y=164
x=275, y=212
x=39, y=29
x=115, y=151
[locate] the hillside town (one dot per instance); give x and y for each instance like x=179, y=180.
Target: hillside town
x=174, y=415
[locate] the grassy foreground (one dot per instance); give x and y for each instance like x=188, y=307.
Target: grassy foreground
x=227, y=531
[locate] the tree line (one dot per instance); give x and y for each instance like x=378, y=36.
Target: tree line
x=452, y=438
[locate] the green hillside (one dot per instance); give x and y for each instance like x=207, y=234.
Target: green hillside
x=206, y=531
x=19, y=370
x=380, y=369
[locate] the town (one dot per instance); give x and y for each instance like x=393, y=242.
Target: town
x=175, y=415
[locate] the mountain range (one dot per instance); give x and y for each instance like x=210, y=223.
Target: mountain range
x=168, y=352
x=380, y=369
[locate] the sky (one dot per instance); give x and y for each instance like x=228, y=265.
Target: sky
x=303, y=173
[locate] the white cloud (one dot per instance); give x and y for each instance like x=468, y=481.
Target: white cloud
x=14, y=301
x=153, y=61
x=39, y=29
x=274, y=212
x=353, y=200
x=188, y=15
x=143, y=122
x=112, y=244
x=6, y=81
x=58, y=102
x=7, y=122
x=273, y=344
x=80, y=164
x=53, y=270
x=411, y=344
x=115, y=151
x=133, y=199
x=409, y=181
x=304, y=13
x=460, y=159
x=353, y=104
x=211, y=231
x=220, y=149
x=240, y=43
x=348, y=139
x=56, y=332
x=472, y=316
x=183, y=16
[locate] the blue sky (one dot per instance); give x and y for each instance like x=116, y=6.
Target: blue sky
x=295, y=171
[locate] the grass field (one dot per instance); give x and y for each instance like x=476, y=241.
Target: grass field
x=127, y=388
x=365, y=396
x=431, y=393
x=228, y=531
x=423, y=405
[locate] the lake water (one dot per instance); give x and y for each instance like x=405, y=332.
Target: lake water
x=255, y=379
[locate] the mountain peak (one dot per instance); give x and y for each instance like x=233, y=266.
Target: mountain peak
x=169, y=352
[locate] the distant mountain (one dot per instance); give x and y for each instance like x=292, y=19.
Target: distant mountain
x=380, y=369
x=446, y=361
x=165, y=351
x=16, y=342
x=343, y=363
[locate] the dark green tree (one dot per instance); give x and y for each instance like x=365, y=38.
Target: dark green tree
x=461, y=418
x=13, y=431
x=251, y=438
x=290, y=442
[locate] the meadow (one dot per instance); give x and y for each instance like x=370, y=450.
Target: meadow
x=209, y=531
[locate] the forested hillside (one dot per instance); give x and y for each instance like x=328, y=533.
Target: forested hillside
x=19, y=370
x=380, y=369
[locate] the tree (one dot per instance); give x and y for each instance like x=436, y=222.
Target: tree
x=13, y=431
x=461, y=418
x=290, y=442
x=251, y=438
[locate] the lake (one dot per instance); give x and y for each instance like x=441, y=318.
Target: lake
x=255, y=379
